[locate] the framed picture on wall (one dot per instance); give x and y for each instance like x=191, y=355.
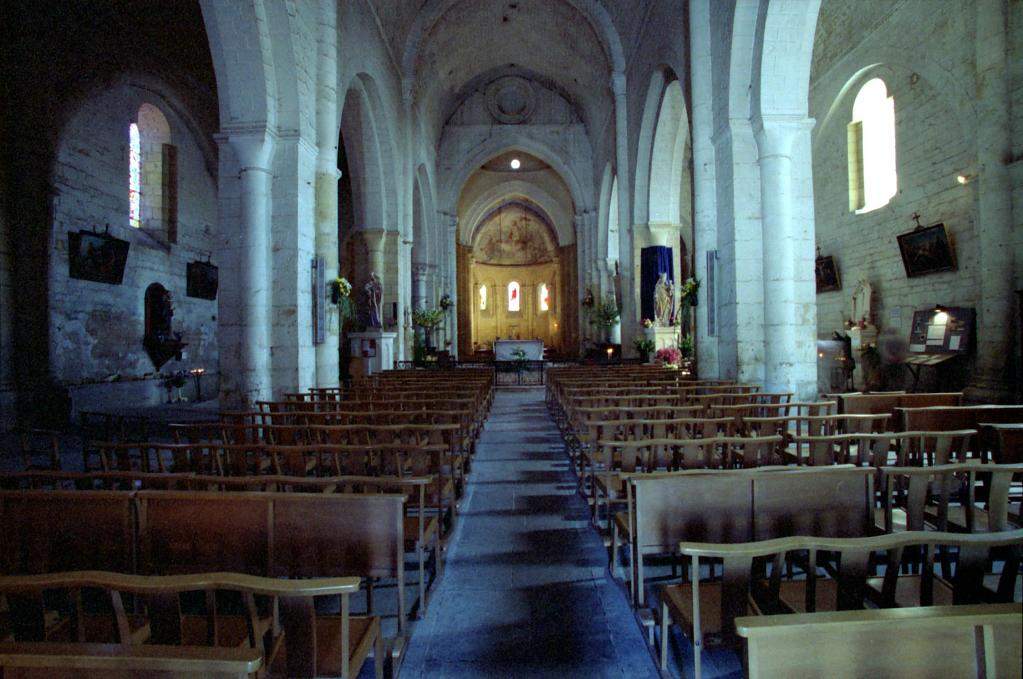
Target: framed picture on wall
x=827, y=275
x=97, y=257
x=927, y=250
x=202, y=280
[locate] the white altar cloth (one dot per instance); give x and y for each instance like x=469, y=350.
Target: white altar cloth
x=504, y=349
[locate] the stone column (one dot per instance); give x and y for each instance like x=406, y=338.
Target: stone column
x=450, y=286
x=992, y=379
x=790, y=328
x=244, y=302
x=582, y=247
x=327, y=175
x=704, y=182
x=629, y=303
x=420, y=272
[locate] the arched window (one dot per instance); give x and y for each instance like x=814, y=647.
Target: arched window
x=514, y=296
x=612, y=222
x=483, y=298
x=873, y=178
x=545, y=297
x=134, y=177
x=152, y=174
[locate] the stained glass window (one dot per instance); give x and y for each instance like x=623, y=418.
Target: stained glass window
x=514, y=296
x=483, y=298
x=545, y=297
x=134, y=176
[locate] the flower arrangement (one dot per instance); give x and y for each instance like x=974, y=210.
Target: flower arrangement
x=341, y=297
x=669, y=357
x=606, y=314
x=445, y=302
x=647, y=323
x=644, y=346
x=689, y=290
x=427, y=318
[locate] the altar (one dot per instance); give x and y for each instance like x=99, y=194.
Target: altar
x=508, y=350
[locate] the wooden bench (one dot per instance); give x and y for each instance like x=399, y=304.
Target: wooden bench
x=709, y=609
x=113, y=661
x=285, y=630
x=739, y=506
x=939, y=641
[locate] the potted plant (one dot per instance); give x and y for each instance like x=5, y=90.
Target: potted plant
x=687, y=345
x=644, y=347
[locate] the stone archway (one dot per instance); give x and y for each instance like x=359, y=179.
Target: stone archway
x=517, y=278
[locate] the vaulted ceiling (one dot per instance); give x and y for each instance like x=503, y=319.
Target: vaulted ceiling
x=447, y=47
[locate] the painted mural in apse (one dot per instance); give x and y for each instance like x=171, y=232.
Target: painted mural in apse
x=514, y=236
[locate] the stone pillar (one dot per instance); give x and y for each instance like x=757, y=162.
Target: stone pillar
x=582, y=258
x=420, y=272
x=992, y=379
x=790, y=327
x=450, y=285
x=244, y=302
x=629, y=302
x=293, y=229
x=328, y=372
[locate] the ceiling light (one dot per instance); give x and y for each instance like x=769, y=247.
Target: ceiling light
x=516, y=163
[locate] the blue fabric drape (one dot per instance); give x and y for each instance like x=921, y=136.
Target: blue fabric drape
x=654, y=261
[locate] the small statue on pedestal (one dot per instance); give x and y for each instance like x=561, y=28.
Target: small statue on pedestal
x=374, y=290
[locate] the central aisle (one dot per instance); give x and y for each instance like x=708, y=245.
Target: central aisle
x=526, y=592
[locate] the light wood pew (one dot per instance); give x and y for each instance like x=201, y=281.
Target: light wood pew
x=888, y=401
x=113, y=661
x=939, y=641
x=943, y=418
x=298, y=642
x=708, y=609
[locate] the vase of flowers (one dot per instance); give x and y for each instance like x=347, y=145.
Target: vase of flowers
x=689, y=291
x=605, y=315
x=428, y=320
x=669, y=357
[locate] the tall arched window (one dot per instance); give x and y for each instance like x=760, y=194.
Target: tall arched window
x=134, y=177
x=483, y=298
x=545, y=297
x=152, y=174
x=873, y=178
x=514, y=296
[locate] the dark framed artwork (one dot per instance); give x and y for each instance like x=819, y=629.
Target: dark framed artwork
x=927, y=250
x=97, y=257
x=827, y=275
x=202, y=280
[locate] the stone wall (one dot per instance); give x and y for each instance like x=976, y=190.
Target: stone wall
x=931, y=85
x=96, y=328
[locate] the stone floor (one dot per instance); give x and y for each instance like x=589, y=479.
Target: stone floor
x=526, y=592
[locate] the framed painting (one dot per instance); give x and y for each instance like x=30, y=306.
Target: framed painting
x=97, y=257
x=927, y=250
x=202, y=280
x=827, y=275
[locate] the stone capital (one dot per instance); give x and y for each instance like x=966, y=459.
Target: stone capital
x=775, y=134
x=252, y=144
x=375, y=239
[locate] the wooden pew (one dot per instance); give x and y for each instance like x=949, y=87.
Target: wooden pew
x=299, y=642
x=114, y=661
x=49, y=531
x=709, y=609
x=937, y=641
x=943, y=418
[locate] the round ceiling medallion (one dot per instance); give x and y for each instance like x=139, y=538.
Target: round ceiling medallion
x=511, y=100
